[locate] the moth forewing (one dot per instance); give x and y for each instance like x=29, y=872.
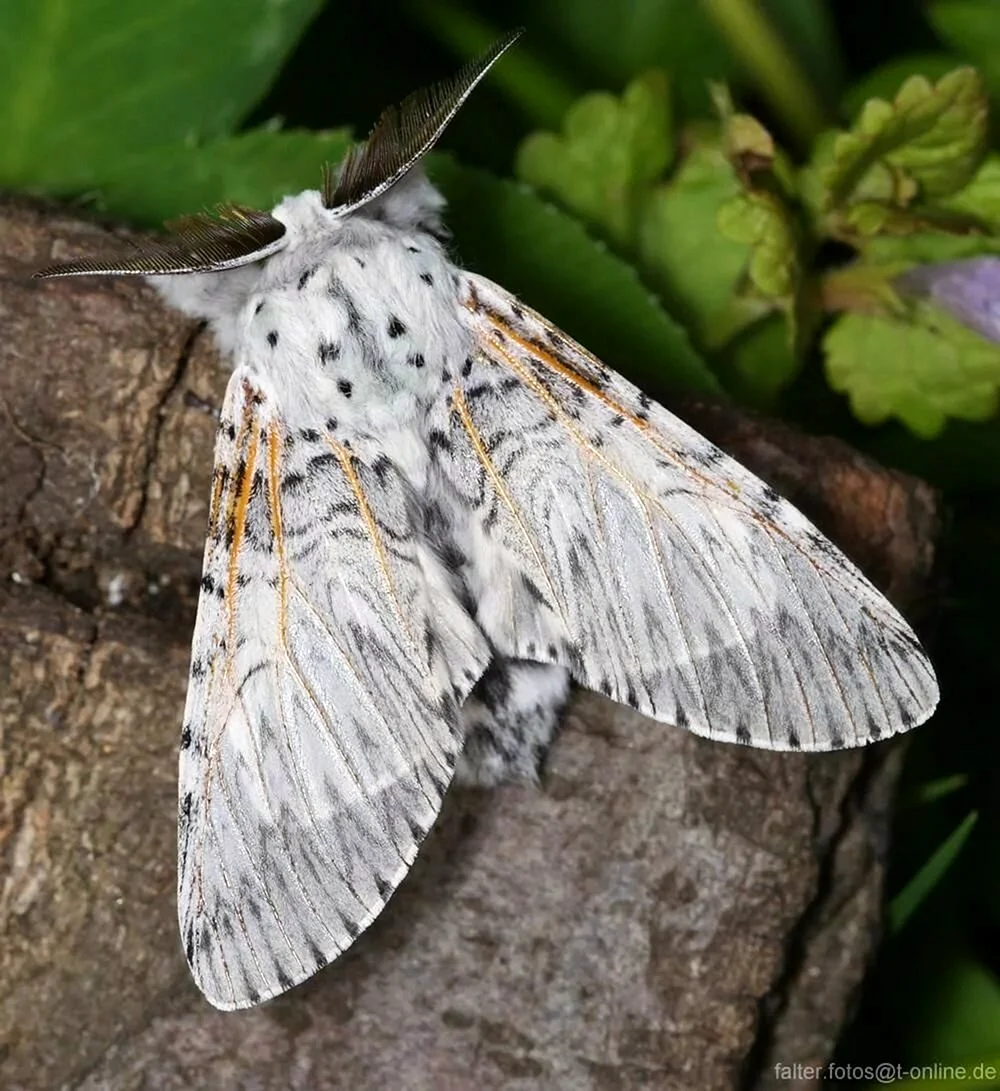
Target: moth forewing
x=670, y=577
x=318, y=738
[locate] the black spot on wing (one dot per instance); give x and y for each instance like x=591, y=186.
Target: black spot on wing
x=316, y=956
x=396, y=327
x=328, y=352
x=350, y=926
x=318, y=462
x=534, y=590
x=439, y=441
x=382, y=467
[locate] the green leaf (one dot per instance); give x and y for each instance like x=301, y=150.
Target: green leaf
x=682, y=252
x=610, y=149
x=926, y=246
x=934, y=135
x=963, y=225
x=257, y=169
x=761, y=221
x=933, y=790
x=981, y=196
x=971, y=28
x=921, y=370
x=83, y=82
x=884, y=81
x=508, y=233
x=909, y=899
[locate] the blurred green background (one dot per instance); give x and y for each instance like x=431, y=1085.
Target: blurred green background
x=718, y=195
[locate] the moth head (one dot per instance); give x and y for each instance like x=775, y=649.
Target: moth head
x=403, y=135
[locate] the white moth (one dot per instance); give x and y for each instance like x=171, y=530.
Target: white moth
x=431, y=510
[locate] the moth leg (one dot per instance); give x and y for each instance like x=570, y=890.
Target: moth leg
x=510, y=719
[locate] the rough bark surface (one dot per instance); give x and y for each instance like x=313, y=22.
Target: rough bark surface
x=662, y=913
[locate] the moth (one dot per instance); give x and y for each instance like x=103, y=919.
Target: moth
x=432, y=511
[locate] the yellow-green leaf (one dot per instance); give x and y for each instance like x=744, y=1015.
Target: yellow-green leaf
x=609, y=151
x=683, y=253
x=760, y=220
x=920, y=369
x=933, y=135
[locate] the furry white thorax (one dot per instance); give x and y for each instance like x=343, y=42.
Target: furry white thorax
x=355, y=319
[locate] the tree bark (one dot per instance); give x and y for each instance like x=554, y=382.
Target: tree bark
x=662, y=912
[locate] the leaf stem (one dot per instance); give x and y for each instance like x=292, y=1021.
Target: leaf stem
x=906, y=902
x=768, y=61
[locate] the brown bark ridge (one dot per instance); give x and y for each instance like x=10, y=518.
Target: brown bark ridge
x=662, y=912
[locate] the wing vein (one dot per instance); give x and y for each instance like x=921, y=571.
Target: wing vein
x=465, y=416
x=641, y=495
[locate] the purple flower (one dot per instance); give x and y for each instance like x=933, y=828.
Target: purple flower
x=968, y=290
